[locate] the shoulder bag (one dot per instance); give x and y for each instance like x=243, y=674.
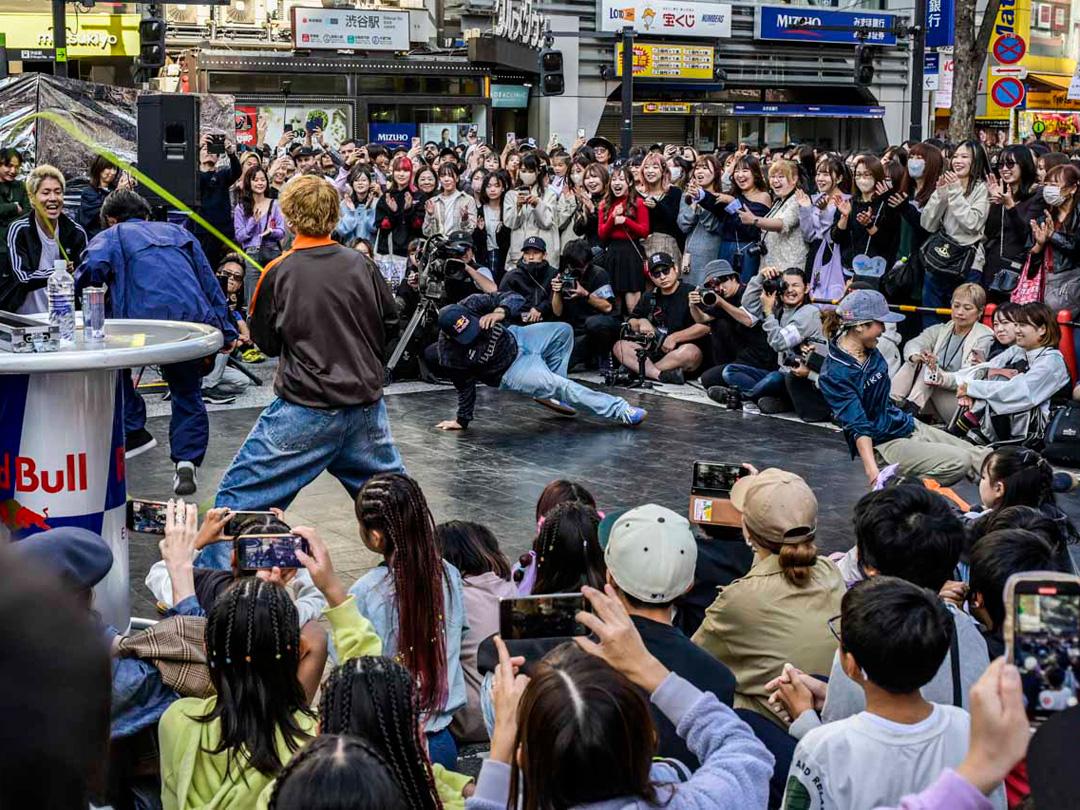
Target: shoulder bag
x=945, y=256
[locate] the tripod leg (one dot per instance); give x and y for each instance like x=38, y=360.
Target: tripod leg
x=406, y=336
x=232, y=363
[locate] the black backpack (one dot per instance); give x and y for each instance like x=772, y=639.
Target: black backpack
x=1063, y=436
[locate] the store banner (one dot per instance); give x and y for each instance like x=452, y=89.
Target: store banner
x=1073, y=93
x=940, y=24
x=811, y=24
x=809, y=110
x=1054, y=125
x=247, y=119
x=347, y=29
x=391, y=134
x=88, y=34
x=265, y=122
x=653, y=61
x=711, y=20
x=509, y=96
x=943, y=94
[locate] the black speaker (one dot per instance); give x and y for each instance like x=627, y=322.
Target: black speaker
x=168, y=145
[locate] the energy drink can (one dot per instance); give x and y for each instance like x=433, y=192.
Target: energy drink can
x=93, y=303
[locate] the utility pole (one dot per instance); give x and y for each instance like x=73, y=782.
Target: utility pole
x=627, y=132
x=59, y=24
x=918, y=52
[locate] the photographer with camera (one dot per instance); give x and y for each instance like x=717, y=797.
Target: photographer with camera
x=581, y=295
x=780, y=302
x=461, y=275
x=474, y=346
x=662, y=325
x=531, y=279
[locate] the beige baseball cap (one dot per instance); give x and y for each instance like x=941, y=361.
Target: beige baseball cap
x=777, y=506
x=651, y=554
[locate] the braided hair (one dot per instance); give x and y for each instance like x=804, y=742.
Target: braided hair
x=335, y=772
x=253, y=649
x=375, y=698
x=393, y=505
x=567, y=548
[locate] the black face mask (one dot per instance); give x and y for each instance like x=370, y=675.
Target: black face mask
x=533, y=268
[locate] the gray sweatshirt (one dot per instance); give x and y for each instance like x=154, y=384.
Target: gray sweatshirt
x=795, y=326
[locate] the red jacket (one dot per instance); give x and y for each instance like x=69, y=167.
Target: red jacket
x=635, y=227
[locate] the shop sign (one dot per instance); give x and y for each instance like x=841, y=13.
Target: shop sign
x=391, y=134
x=940, y=24
x=93, y=34
x=811, y=24
x=1055, y=125
x=519, y=21
x=809, y=110
x=264, y=122
x=712, y=20
x=666, y=108
x=1073, y=93
x=653, y=61
x=347, y=29
x=943, y=96
x=509, y=96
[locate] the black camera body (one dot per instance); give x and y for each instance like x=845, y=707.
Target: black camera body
x=645, y=342
x=569, y=281
x=774, y=286
x=756, y=249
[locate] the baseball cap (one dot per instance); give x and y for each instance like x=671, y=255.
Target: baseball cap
x=861, y=306
x=651, y=554
x=718, y=269
x=777, y=506
x=306, y=151
x=458, y=323
x=660, y=260
x=78, y=556
x=534, y=243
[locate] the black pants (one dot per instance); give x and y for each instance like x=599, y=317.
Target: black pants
x=594, y=338
x=809, y=404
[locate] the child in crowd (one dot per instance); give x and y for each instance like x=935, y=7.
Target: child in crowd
x=893, y=637
x=334, y=772
x=566, y=553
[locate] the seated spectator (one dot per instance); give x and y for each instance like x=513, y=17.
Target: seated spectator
x=778, y=612
x=566, y=553
x=420, y=624
x=579, y=732
x=1011, y=405
x=587, y=305
x=789, y=321
x=651, y=557
x=664, y=314
x=531, y=279
x=928, y=378
x=893, y=637
x=335, y=771
x=1004, y=325
x=485, y=579
x=374, y=698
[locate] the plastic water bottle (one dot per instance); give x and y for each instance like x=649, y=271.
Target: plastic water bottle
x=61, y=293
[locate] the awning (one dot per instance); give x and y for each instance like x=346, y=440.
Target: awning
x=1051, y=80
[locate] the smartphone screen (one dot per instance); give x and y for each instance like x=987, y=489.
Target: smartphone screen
x=146, y=516
x=550, y=616
x=716, y=478
x=253, y=523
x=255, y=552
x=511, y=137
x=581, y=133
x=1045, y=640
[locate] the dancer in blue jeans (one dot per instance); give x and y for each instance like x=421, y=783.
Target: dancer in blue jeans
x=326, y=311
x=474, y=346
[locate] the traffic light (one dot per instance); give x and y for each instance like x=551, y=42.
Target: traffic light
x=151, y=42
x=864, y=64
x=552, y=81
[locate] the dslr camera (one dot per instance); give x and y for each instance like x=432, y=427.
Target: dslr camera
x=709, y=297
x=645, y=342
x=772, y=286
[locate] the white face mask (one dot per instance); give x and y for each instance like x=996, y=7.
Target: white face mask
x=916, y=167
x=676, y=173
x=1052, y=195
x=865, y=184
x=527, y=178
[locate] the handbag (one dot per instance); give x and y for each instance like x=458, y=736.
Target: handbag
x=827, y=281
x=269, y=249
x=1030, y=289
x=945, y=256
x=1005, y=279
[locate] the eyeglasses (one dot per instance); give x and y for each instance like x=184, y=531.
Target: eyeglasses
x=834, y=628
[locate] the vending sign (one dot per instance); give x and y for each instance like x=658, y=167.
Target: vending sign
x=711, y=20
x=812, y=24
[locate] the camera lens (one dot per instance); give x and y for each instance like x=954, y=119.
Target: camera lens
x=709, y=298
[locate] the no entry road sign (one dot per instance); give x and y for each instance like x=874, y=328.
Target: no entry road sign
x=1007, y=92
x=1009, y=49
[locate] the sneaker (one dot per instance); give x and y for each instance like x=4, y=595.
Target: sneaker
x=772, y=405
x=138, y=442
x=184, y=480
x=718, y=393
x=212, y=397
x=561, y=408
x=634, y=416
x=673, y=376
x=1065, y=481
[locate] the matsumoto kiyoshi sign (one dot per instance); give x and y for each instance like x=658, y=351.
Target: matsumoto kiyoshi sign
x=667, y=17
x=810, y=24
x=348, y=29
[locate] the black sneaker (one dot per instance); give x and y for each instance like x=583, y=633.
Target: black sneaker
x=673, y=376
x=184, y=481
x=212, y=397
x=138, y=442
x=772, y=405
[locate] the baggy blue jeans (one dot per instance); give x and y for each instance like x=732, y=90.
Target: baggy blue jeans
x=189, y=426
x=290, y=446
x=540, y=371
x=754, y=382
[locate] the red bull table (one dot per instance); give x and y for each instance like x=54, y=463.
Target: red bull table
x=62, y=437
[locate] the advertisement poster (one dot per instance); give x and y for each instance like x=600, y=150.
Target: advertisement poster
x=1057, y=124
x=669, y=61
x=711, y=20
x=261, y=122
x=446, y=134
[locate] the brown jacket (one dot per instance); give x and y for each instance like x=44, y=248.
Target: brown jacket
x=328, y=313
x=760, y=622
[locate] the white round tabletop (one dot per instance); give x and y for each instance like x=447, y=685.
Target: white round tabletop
x=127, y=344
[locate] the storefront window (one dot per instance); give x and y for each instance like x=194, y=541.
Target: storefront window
x=426, y=121
x=1055, y=28
x=243, y=84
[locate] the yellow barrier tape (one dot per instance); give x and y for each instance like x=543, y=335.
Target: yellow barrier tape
x=145, y=179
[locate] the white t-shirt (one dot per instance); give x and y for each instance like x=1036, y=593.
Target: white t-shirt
x=491, y=225
x=38, y=300
x=867, y=761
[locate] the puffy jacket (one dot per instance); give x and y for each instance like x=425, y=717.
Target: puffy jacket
x=1063, y=283
x=19, y=274
x=157, y=271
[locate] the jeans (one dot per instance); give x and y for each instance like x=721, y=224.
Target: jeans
x=750, y=263
x=754, y=382
x=189, y=426
x=290, y=446
x=540, y=371
x=442, y=749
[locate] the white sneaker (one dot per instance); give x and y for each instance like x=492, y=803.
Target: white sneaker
x=184, y=480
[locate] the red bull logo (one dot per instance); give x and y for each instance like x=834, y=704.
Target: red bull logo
x=461, y=324
x=17, y=517
x=21, y=474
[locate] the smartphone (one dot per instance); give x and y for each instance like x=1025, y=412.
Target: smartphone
x=288, y=129
x=253, y=523
x=931, y=375
x=255, y=552
x=317, y=122
x=581, y=133
x=734, y=206
x=1042, y=637
x=146, y=516
x=549, y=616
x=713, y=478
x=471, y=133
x=511, y=137
x=415, y=142
x=216, y=144
x=555, y=137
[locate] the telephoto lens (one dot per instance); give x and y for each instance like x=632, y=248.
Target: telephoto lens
x=709, y=298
